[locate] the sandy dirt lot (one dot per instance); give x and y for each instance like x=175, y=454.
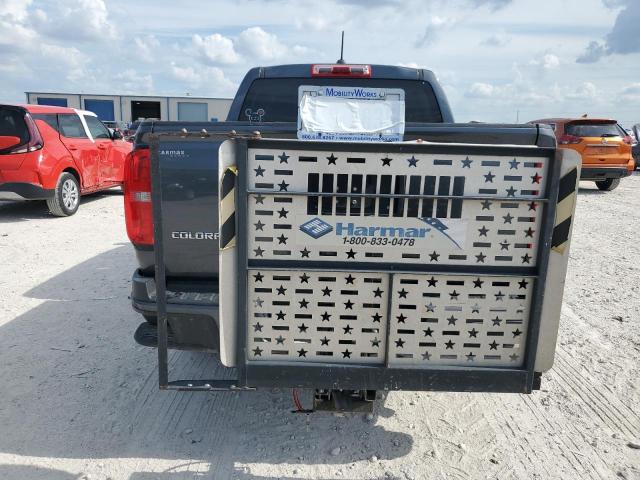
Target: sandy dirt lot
x=79, y=399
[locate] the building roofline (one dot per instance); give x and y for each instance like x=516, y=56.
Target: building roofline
x=127, y=95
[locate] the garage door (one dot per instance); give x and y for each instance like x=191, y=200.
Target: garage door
x=102, y=108
x=194, y=112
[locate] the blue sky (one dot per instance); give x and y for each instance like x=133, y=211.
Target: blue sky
x=498, y=60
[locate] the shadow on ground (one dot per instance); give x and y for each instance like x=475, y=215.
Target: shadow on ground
x=9, y=472
x=76, y=386
x=21, y=211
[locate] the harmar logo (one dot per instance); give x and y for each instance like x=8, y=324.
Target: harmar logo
x=316, y=228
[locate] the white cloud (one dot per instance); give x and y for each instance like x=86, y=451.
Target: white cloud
x=145, y=48
x=76, y=20
x=630, y=94
x=623, y=37
x=205, y=80
x=593, y=53
x=39, y=15
x=533, y=97
x=14, y=10
x=585, y=91
x=15, y=31
x=435, y=26
x=493, y=5
x=546, y=62
x=15, y=37
x=300, y=51
x=215, y=49
x=496, y=40
x=257, y=44
x=252, y=45
x=313, y=23
x=187, y=75
x=481, y=90
x=132, y=82
x=118, y=51
x=70, y=60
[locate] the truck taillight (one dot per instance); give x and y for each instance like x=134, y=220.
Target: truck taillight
x=137, y=197
x=340, y=70
x=569, y=140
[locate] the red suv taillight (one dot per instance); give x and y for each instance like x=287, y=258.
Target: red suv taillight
x=137, y=197
x=569, y=140
x=35, y=139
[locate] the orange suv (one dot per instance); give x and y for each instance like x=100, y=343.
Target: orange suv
x=603, y=144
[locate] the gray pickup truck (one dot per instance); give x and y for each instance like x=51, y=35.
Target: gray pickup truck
x=495, y=206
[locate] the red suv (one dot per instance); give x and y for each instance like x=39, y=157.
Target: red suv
x=57, y=154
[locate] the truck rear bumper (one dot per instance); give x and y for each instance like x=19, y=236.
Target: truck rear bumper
x=335, y=376
x=603, y=173
x=24, y=191
x=192, y=312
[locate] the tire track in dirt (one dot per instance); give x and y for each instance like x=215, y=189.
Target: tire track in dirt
x=566, y=430
x=586, y=461
x=471, y=422
x=196, y=424
x=594, y=394
x=558, y=449
x=506, y=435
x=604, y=406
x=557, y=426
x=535, y=452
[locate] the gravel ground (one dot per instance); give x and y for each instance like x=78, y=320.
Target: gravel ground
x=79, y=399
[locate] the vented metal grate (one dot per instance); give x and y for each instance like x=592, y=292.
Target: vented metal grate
x=498, y=226
x=467, y=211
x=459, y=320
x=333, y=317
x=446, y=174
x=339, y=317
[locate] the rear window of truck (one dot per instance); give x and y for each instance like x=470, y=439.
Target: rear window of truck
x=276, y=99
x=593, y=130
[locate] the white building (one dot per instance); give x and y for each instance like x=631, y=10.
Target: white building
x=128, y=108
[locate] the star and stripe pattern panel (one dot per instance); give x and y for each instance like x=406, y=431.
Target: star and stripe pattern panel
x=397, y=319
x=500, y=229
x=333, y=317
x=338, y=317
x=459, y=320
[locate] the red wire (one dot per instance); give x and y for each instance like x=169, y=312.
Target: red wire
x=296, y=400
